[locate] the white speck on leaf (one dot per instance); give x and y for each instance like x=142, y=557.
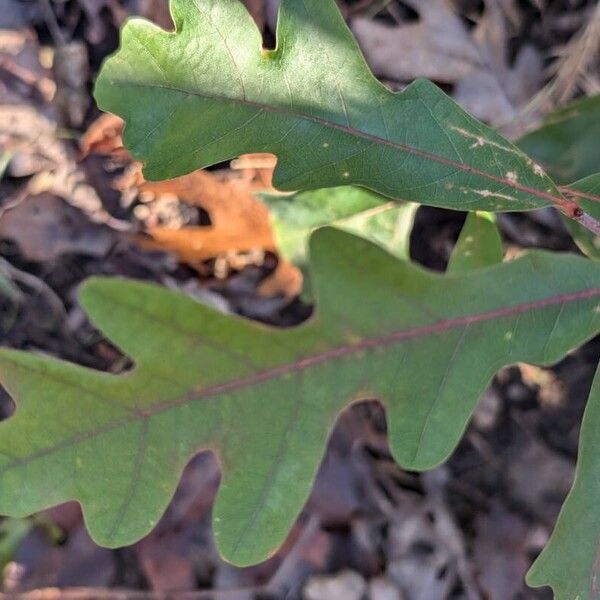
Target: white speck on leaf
x=480, y=141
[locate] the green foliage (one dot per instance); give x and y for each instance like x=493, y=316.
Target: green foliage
x=569, y=562
x=12, y=533
x=208, y=93
x=479, y=244
x=356, y=210
x=265, y=400
x=353, y=209
x=425, y=344
x=568, y=143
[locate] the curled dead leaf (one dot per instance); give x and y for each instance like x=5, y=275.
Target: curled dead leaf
x=239, y=222
x=45, y=227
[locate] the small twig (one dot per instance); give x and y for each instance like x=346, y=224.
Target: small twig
x=43, y=85
x=588, y=222
x=583, y=218
x=54, y=302
x=572, y=210
x=53, y=27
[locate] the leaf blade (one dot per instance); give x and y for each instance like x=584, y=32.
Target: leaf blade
x=569, y=561
x=119, y=444
x=567, y=142
x=331, y=124
x=479, y=244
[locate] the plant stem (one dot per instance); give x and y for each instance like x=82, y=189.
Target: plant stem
x=588, y=222
x=565, y=189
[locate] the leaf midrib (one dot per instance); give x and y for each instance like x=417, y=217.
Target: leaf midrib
x=558, y=200
x=298, y=366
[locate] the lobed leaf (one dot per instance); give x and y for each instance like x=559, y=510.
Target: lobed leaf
x=209, y=92
x=570, y=561
x=356, y=210
x=265, y=400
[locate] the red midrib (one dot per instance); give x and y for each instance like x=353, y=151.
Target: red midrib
x=379, y=342
x=306, y=363
x=568, y=206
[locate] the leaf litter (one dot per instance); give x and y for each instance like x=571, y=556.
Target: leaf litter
x=440, y=46
x=359, y=542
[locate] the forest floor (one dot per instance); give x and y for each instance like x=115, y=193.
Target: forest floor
x=73, y=205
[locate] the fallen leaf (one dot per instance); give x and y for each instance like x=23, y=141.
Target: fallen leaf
x=22, y=77
x=104, y=137
x=439, y=47
x=31, y=140
x=496, y=91
x=347, y=584
x=500, y=553
x=239, y=222
x=45, y=227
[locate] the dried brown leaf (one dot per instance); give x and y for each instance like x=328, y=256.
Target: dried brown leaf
x=239, y=222
x=45, y=227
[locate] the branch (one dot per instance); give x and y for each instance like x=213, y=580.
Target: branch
x=588, y=222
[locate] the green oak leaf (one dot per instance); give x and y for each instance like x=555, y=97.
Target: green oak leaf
x=265, y=400
x=479, y=244
x=568, y=142
x=569, y=563
x=12, y=533
x=356, y=210
x=353, y=209
x=209, y=92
